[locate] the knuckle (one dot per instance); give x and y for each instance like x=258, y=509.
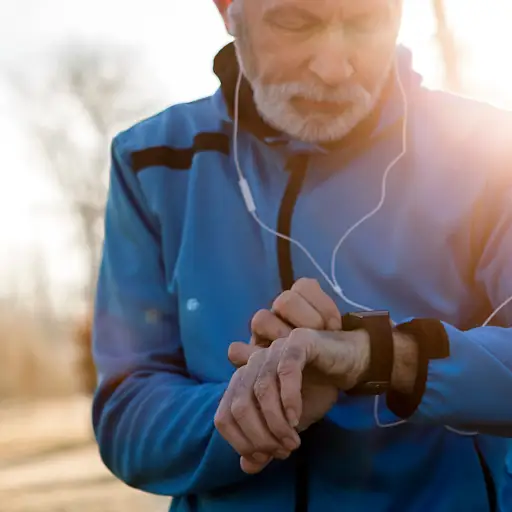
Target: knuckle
x=302, y=336
x=286, y=368
x=220, y=421
x=236, y=379
x=255, y=357
x=262, y=388
x=277, y=346
x=232, y=351
x=305, y=283
x=239, y=409
x=300, y=333
x=284, y=300
x=259, y=319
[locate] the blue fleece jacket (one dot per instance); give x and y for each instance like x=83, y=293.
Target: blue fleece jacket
x=185, y=267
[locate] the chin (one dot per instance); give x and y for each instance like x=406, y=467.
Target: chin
x=324, y=131
x=316, y=128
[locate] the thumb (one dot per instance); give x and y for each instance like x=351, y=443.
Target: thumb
x=239, y=353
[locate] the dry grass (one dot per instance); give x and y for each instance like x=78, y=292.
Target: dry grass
x=32, y=366
x=49, y=463
x=48, y=459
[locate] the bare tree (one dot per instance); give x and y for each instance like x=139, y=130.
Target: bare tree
x=85, y=96
x=447, y=47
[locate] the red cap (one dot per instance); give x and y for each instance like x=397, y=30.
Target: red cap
x=222, y=5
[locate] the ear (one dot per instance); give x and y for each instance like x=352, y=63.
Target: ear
x=227, y=24
x=223, y=6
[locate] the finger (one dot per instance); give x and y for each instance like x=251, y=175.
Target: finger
x=295, y=355
x=266, y=391
x=312, y=292
x=245, y=411
x=232, y=433
x=227, y=426
x=251, y=467
x=240, y=352
x=267, y=327
x=297, y=311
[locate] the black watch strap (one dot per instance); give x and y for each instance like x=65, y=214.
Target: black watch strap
x=433, y=343
x=378, y=326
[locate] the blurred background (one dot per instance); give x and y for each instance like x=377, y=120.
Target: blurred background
x=73, y=74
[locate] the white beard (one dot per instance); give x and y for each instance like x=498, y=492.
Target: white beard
x=273, y=103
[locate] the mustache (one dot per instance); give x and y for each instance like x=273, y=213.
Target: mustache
x=350, y=93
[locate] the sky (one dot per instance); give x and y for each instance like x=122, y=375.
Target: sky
x=178, y=40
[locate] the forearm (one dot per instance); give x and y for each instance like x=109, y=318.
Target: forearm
x=469, y=388
x=405, y=364
x=156, y=433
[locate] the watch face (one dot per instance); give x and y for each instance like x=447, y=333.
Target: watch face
x=363, y=319
x=369, y=389
x=366, y=314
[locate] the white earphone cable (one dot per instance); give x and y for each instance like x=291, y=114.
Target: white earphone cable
x=380, y=204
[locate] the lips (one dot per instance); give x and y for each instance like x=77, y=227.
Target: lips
x=304, y=105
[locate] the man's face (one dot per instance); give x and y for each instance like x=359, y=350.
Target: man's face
x=317, y=67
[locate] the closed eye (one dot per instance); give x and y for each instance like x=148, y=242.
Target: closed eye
x=294, y=26
x=291, y=20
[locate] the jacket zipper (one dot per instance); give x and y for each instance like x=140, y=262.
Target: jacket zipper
x=488, y=478
x=296, y=166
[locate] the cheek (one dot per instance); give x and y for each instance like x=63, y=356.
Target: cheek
x=278, y=63
x=370, y=65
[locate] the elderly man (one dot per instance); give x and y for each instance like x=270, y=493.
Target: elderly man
x=364, y=224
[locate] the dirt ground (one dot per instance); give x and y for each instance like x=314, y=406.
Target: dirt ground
x=49, y=463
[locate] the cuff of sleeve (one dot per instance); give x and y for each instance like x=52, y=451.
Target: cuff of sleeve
x=433, y=343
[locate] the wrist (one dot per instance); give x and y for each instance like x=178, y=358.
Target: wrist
x=405, y=364
x=405, y=361
x=418, y=342
x=362, y=356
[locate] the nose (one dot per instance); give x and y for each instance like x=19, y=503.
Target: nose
x=330, y=61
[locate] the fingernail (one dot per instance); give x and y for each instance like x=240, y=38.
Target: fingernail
x=260, y=457
x=334, y=324
x=290, y=444
x=292, y=418
x=281, y=454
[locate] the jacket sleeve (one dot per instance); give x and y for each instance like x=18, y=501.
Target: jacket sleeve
x=152, y=421
x=472, y=388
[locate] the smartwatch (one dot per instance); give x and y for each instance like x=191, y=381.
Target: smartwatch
x=378, y=326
